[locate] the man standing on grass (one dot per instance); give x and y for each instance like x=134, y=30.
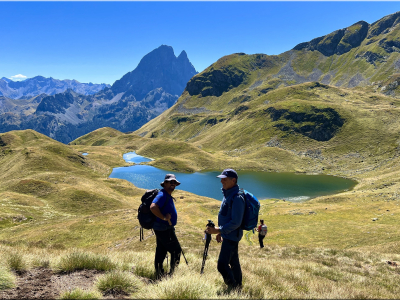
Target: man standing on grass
x=163, y=208
x=229, y=230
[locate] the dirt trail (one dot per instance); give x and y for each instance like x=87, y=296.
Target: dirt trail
x=45, y=284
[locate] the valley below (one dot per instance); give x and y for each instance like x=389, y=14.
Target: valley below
x=58, y=204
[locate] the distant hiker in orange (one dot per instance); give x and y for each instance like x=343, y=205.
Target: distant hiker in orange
x=262, y=232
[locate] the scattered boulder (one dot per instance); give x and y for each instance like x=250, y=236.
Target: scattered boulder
x=392, y=263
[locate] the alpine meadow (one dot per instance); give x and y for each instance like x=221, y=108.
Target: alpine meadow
x=328, y=106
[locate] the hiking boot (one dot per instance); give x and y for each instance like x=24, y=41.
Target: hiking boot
x=234, y=288
x=160, y=275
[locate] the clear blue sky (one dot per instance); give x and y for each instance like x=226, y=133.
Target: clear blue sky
x=99, y=42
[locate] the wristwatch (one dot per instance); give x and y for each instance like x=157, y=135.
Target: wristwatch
x=165, y=219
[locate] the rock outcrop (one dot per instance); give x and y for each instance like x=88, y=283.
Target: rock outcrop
x=318, y=124
x=338, y=42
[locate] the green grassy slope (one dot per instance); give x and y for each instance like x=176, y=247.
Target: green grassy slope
x=291, y=122
x=55, y=200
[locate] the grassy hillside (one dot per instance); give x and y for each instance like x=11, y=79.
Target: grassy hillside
x=309, y=127
x=55, y=200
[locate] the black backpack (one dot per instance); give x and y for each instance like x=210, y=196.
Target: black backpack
x=145, y=216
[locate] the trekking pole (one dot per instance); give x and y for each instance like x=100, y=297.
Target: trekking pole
x=208, y=239
x=141, y=238
x=184, y=256
x=182, y=251
x=169, y=222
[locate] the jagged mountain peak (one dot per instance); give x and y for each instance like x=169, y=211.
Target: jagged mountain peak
x=161, y=56
x=183, y=55
x=159, y=68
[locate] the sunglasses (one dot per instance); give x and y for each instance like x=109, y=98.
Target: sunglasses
x=173, y=182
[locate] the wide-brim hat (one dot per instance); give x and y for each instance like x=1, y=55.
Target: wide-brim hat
x=170, y=177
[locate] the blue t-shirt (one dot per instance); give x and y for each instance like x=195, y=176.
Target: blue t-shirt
x=166, y=204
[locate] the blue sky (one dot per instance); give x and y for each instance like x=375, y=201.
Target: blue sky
x=99, y=42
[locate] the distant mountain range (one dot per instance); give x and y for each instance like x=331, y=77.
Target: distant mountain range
x=38, y=85
x=130, y=102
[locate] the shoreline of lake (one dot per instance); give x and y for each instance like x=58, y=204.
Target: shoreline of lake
x=293, y=187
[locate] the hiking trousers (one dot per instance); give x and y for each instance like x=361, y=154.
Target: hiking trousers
x=261, y=240
x=166, y=242
x=228, y=263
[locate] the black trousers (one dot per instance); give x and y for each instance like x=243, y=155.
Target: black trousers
x=228, y=263
x=166, y=242
x=261, y=240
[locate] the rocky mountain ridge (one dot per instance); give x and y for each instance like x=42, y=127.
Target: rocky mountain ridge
x=37, y=85
x=295, y=96
x=354, y=56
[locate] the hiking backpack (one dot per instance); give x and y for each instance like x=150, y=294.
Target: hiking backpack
x=145, y=216
x=252, y=208
x=264, y=229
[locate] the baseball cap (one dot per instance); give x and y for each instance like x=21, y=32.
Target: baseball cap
x=228, y=173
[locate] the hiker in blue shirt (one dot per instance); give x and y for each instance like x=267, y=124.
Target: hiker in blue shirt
x=229, y=230
x=163, y=208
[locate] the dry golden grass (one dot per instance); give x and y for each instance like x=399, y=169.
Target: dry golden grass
x=271, y=273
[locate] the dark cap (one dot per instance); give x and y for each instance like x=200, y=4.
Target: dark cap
x=170, y=177
x=228, y=173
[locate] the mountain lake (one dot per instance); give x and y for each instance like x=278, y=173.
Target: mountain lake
x=292, y=187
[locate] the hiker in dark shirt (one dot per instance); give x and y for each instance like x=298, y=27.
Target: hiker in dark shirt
x=163, y=208
x=229, y=230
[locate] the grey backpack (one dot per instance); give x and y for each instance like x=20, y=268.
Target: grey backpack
x=264, y=229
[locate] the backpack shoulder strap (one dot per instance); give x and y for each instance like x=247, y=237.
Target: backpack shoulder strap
x=242, y=194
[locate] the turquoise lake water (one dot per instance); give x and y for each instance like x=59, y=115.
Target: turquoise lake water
x=134, y=158
x=289, y=186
